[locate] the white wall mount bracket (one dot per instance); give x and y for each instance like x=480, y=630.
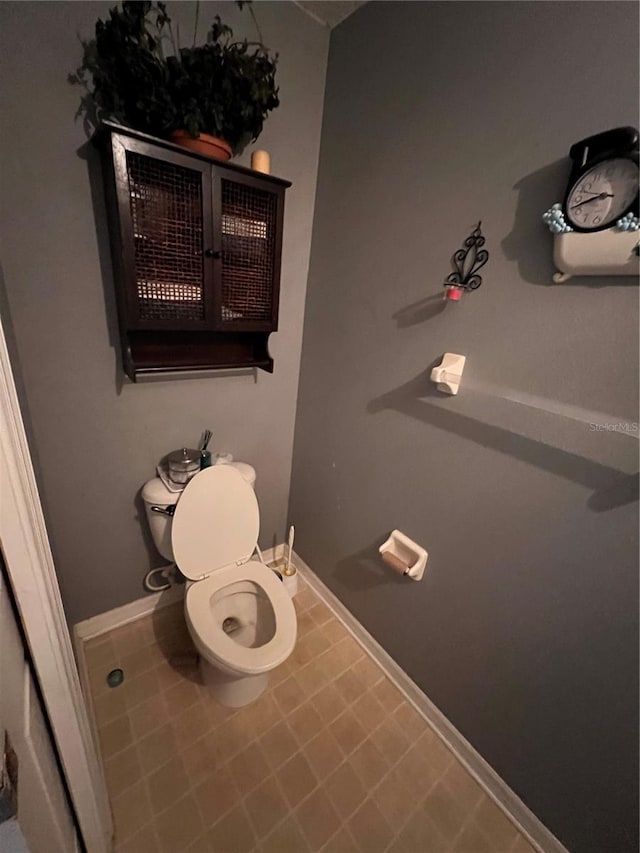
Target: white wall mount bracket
x=448, y=373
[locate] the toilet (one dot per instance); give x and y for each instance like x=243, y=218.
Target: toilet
x=240, y=616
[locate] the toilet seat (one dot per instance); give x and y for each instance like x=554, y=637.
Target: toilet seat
x=220, y=649
x=213, y=535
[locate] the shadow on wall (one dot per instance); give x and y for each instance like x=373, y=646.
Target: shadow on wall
x=420, y=311
x=611, y=488
x=364, y=570
x=16, y=366
x=91, y=157
x=529, y=241
x=18, y=378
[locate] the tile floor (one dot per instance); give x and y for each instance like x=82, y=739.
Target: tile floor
x=331, y=758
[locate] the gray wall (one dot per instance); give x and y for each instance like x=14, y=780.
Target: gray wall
x=524, y=629
x=96, y=439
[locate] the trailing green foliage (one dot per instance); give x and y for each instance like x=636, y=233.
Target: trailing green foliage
x=124, y=63
x=224, y=87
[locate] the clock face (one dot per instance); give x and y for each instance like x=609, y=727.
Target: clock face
x=602, y=194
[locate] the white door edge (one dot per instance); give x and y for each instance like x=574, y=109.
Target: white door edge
x=29, y=562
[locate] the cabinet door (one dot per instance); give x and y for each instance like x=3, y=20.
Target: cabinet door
x=247, y=218
x=164, y=213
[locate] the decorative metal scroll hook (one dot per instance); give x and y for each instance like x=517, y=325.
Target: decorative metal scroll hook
x=467, y=261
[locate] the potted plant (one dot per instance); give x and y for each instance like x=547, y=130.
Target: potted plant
x=222, y=89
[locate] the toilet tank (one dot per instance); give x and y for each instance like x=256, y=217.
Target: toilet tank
x=156, y=494
x=247, y=471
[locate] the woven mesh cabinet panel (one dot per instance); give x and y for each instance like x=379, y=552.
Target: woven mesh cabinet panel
x=166, y=211
x=248, y=251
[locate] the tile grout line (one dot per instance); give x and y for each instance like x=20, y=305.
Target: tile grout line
x=392, y=767
x=343, y=762
x=308, y=698
x=255, y=739
x=232, y=756
x=516, y=812
x=300, y=750
x=319, y=629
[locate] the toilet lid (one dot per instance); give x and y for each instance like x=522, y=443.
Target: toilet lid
x=216, y=522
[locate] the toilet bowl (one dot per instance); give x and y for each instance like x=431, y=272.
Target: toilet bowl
x=240, y=617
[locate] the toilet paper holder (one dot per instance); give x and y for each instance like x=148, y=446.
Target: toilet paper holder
x=404, y=556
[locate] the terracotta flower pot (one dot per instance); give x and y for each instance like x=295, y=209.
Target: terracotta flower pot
x=209, y=146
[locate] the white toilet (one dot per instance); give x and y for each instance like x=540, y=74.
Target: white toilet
x=241, y=618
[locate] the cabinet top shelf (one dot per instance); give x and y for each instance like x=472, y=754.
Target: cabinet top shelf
x=110, y=127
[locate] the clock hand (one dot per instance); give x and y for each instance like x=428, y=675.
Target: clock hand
x=595, y=198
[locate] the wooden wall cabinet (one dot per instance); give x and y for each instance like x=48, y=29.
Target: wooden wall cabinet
x=196, y=247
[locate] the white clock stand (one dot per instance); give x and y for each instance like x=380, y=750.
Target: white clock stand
x=609, y=252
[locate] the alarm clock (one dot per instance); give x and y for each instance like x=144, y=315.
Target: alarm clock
x=604, y=181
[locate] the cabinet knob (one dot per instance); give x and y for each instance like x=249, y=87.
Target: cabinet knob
x=210, y=253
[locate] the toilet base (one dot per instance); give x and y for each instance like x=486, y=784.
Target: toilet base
x=230, y=690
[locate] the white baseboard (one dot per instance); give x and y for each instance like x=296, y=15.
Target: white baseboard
x=88, y=629
x=494, y=786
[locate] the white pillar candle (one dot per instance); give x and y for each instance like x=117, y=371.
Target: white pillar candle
x=261, y=162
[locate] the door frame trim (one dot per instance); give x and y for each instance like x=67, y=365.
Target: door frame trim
x=31, y=570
